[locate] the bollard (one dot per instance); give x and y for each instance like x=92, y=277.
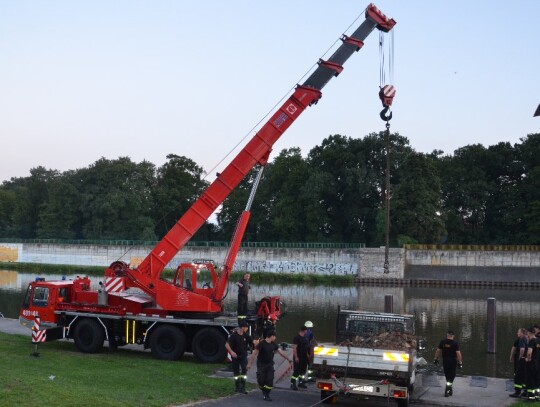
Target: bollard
x=37, y=336
x=389, y=303
x=491, y=325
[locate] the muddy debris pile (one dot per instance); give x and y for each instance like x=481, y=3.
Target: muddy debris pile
x=385, y=340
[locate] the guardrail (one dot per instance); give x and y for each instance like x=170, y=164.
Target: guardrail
x=473, y=247
x=284, y=245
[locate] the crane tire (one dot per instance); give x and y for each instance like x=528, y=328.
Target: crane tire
x=208, y=346
x=89, y=336
x=168, y=342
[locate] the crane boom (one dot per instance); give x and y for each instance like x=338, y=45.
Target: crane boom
x=146, y=276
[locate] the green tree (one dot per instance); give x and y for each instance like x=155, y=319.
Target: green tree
x=179, y=183
x=116, y=199
x=416, y=211
x=60, y=217
x=7, y=207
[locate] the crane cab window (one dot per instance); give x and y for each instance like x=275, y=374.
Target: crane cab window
x=40, y=297
x=63, y=295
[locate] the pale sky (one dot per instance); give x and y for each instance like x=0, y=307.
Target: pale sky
x=81, y=80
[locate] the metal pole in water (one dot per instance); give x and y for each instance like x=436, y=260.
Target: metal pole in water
x=389, y=303
x=491, y=325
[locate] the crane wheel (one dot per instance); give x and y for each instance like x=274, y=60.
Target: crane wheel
x=168, y=342
x=89, y=336
x=209, y=346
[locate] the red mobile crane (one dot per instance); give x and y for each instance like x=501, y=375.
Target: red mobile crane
x=173, y=317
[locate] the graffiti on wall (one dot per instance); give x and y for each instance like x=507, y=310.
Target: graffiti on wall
x=338, y=269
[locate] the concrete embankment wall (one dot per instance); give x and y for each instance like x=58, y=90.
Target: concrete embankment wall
x=365, y=263
x=473, y=265
x=274, y=260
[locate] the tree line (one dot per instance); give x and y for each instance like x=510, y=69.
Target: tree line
x=476, y=195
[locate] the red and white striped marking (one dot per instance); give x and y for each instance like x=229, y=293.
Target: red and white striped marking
x=37, y=335
x=389, y=91
x=114, y=284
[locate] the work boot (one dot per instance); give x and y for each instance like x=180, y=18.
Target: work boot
x=237, y=385
x=516, y=393
x=302, y=384
x=266, y=396
x=447, y=391
x=451, y=391
x=242, y=386
x=293, y=385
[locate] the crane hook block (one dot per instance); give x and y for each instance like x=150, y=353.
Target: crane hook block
x=384, y=114
x=387, y=94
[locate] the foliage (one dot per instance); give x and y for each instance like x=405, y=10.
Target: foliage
x=476, y=195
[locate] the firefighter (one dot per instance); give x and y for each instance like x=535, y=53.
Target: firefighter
x=269, y=324
x=312, y=342
x=243, y=293
x=531, y=365
x=237, y=346
x=451, y=355
x=264, y=353
x=517, y=357
x=301, y=358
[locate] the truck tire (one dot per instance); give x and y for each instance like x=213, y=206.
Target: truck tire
x=89, y=336
x=168, y=342
x=209, y=346
x=326, y=399
x=403, y=402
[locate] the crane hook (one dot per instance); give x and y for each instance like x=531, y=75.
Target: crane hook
x=384, y=114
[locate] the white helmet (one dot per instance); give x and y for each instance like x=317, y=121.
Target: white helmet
x=308, y=324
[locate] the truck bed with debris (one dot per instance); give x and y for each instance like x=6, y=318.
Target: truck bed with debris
x=374, y=355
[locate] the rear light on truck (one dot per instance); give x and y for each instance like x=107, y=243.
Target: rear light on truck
x=399, y=394
x=324, y=386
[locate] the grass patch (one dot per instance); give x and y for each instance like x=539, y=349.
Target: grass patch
x=258, y=278
x=61, y=376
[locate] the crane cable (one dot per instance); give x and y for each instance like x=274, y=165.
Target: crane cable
x=386, y=94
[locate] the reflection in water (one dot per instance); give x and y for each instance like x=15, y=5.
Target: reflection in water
x=436, y=310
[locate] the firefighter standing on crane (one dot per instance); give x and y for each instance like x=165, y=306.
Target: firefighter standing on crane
x=237, y=346
x=243, y=293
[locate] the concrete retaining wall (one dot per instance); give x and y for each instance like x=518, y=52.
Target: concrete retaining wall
x=453, y=265
x=306, y=261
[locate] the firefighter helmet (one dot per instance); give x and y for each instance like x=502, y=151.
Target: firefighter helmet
x=308, y=324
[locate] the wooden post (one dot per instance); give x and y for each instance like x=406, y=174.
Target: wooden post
x=491, y=325
x=389, y=303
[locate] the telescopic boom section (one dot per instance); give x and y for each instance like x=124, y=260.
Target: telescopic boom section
x=255, y=152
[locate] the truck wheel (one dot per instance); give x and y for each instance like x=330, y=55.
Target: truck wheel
x=168, y=343
x=403, y=402
x=326, y=399
x=89, y=336
x=209, y=346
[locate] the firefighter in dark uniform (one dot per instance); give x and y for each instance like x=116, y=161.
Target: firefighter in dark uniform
x=531, y=365
x=243, y=294
x=517, y=357
x=451, y=355
x=269, y=324
x=301, y=359
x=264, y=353
x=237, y=346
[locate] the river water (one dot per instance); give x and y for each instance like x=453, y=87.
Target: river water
x=435, y=309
